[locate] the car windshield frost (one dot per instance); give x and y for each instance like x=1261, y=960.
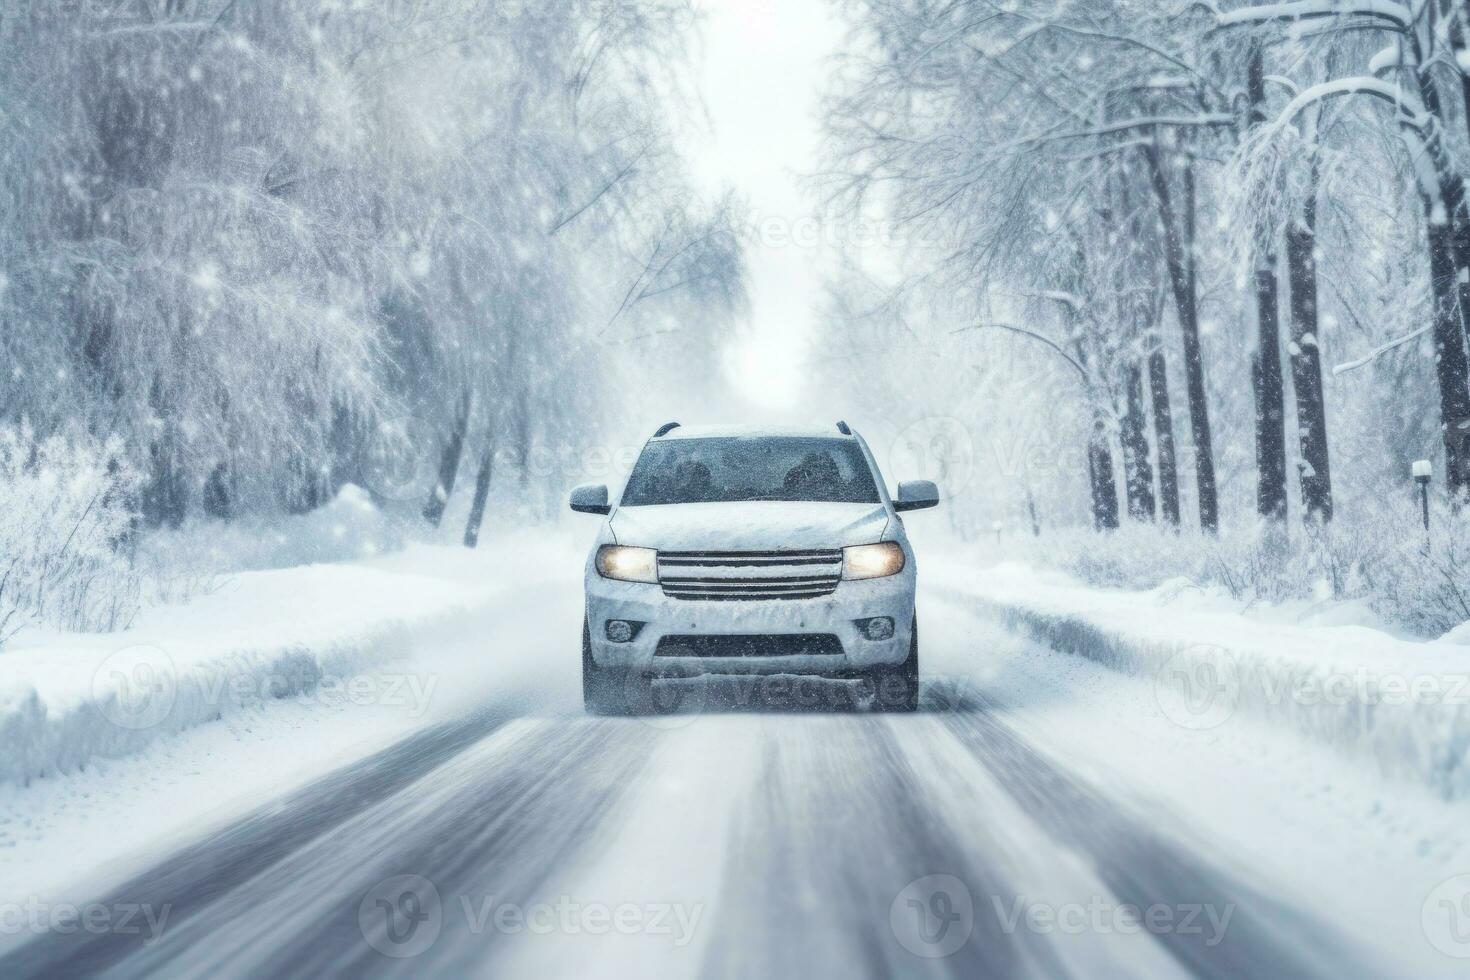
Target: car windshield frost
x=720, y=470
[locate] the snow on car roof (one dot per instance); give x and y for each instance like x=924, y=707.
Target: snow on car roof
x=751, y=431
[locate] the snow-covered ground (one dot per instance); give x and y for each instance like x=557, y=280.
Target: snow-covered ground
x=1322, y=816
x=115, y=746
x=1365, y=849
x=1397, y=705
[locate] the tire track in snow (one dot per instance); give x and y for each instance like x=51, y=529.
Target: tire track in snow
x=191, y=878
x=805, y=833
x=478, y=816
x=838, y=824
x=1143, y=866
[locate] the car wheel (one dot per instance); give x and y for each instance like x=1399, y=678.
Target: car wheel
x=896, y=688
x=602, y=690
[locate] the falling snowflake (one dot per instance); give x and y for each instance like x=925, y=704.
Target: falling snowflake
x=207, y=276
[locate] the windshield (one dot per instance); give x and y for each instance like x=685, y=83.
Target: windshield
x=697, y=471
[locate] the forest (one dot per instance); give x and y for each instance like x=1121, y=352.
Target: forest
x=1174, y=288
x=251, y=253
x=1212, y=258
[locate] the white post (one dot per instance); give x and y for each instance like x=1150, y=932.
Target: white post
x=1423, y=472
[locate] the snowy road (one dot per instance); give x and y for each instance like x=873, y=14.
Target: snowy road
x=771, y=842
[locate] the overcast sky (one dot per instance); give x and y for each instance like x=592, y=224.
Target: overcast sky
x=763, y=79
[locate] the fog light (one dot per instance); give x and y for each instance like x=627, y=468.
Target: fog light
x=621, y=631
x=880, y=628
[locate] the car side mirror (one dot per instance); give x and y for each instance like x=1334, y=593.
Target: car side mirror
x=591, y=498
x=916, y=495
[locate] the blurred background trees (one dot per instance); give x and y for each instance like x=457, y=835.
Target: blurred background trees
x=279, y=246
x=1208, y=206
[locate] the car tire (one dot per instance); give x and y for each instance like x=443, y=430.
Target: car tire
x=602, y=690
x=896, y=688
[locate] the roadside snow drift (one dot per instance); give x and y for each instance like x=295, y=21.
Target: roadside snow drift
x=1402, y=704
x=264, y=635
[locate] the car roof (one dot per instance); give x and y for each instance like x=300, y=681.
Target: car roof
x=828, y=431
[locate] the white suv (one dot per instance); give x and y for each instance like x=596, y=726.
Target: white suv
x=751, y=551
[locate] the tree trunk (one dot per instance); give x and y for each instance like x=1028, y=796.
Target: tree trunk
x=165, y=499
x=1158, y=383
x=217, y=498
x=448, y=464
x=1270, y=392
x=1449, y=355
x=482, y=493
x=1031, y=512
x=1179, y=258
x=1306, y=363
x=1100, y=472
x=1458, y=46
x=1449, y=263
x=1138, y=476
x=1266, y=380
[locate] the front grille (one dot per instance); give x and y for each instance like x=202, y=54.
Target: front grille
x=792, y=645
x=727, y=575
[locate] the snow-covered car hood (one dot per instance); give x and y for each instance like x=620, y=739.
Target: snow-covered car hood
x=752, y=526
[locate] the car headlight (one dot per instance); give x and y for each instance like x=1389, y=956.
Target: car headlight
x=872, y=560
x=626, y=564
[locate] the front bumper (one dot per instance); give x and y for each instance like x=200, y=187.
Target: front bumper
x=836, y=614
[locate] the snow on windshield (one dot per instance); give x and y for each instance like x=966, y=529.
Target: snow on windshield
x=695, y=471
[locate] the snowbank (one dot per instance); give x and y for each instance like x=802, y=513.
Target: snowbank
x=350, y=527
x=315, y=631
x=1400, y=704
